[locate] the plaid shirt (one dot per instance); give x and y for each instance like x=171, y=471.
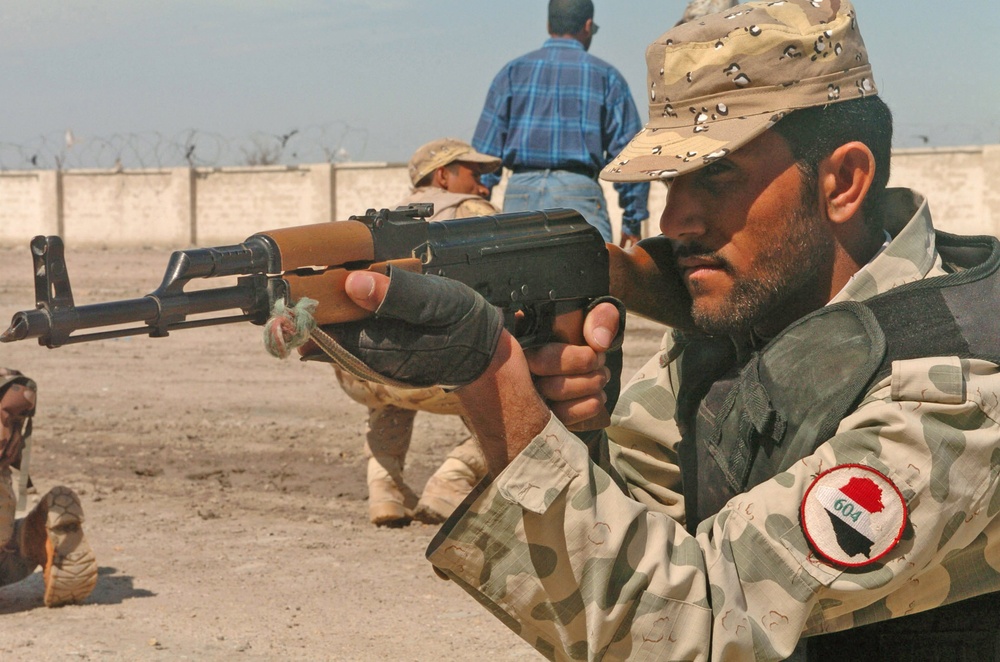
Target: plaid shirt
x=562, y=108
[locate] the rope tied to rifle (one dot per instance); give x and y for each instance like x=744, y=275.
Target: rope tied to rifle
x=288, y=328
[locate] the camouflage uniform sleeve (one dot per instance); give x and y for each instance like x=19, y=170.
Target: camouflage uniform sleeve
x=643, y=436
x=475, y=207
x=581, y=570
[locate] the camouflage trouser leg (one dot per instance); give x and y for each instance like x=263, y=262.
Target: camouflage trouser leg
x=390, y=425
x=51, y=535
x=388, y=433
x=390, y=499
x=460, y=472
x=433, y=399
x=13, y=566
x=387, y=440
x=391, y=412
x=471, y=455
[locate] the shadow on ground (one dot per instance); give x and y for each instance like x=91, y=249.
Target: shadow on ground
x=112, y=589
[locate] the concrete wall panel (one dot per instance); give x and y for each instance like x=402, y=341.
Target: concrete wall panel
x=991, y=188
x=952, y=180
x=27, y=206
x=368, y=186
x=128, y=208
x=234, y=203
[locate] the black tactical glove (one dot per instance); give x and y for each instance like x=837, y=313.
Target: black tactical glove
x=428, y=331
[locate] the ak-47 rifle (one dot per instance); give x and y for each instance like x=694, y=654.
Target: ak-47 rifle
x=540, y=268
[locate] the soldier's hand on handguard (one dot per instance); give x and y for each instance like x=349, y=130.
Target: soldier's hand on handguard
x=452, y=336
x=426, y=330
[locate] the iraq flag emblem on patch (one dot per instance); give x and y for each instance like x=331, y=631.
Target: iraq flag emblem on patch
x=853, y=515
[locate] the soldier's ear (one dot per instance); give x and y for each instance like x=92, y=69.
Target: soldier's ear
x=845, y=177
x=441, y=177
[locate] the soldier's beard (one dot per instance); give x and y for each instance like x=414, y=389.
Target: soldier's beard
x=782, y=272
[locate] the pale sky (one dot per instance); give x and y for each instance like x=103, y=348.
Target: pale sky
x=140, y=79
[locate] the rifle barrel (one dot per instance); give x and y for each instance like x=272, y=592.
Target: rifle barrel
x=54, y=327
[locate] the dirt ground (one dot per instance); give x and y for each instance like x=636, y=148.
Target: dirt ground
x=225, y=499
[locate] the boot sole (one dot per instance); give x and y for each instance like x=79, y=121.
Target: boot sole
x=389, y=513
x=431, y=510
x=70, y=570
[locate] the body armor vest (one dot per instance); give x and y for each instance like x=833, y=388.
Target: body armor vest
x=755, y=418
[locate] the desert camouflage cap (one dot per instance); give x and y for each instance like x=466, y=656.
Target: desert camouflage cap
x=441, y=152
x=718, y=82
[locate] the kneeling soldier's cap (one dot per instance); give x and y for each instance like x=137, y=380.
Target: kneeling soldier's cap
x=718, y=82
x=437, y=153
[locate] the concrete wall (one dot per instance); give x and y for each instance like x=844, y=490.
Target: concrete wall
x=960, y=184
x=29, y=205
x=233, y=203
x=362, y=187
x=180, y=207
x=129, y=207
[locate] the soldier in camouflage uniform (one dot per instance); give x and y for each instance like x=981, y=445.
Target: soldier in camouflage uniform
x=445, y=173
x=809, y=468
x=51, y=535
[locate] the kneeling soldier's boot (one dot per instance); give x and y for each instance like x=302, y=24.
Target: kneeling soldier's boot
x=390, y=499
x=464, y=467
x=51, y=536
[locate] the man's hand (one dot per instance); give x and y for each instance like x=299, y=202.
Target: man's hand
x=427, y=330
x=502, y=405
x=571, y=378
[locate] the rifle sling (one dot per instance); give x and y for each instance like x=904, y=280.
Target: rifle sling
x=349, y=362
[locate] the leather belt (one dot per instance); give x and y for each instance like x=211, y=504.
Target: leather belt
x=576, y=170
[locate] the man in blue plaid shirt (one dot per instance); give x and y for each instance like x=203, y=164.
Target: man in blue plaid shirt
x=555, y=117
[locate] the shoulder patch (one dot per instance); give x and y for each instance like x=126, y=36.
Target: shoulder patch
x=853, y=515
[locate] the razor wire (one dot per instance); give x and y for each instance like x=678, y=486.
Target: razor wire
x=335, y=142
x=327, y=143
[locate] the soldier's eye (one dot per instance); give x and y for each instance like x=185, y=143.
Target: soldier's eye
x=717, y=168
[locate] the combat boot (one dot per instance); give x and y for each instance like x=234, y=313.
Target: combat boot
x=461, y=471
x=390, y=499
x=51, y=536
